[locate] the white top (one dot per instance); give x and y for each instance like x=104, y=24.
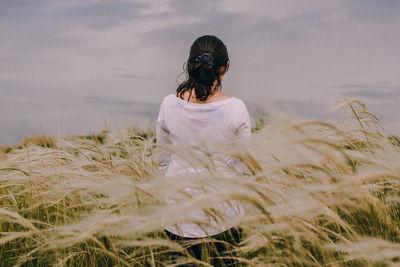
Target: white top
x=186, y=122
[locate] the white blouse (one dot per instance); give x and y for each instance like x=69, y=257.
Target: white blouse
x=194, y=123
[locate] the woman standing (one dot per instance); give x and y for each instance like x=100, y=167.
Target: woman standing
x=200, y=108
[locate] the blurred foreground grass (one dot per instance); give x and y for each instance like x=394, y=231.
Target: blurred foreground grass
x=318, y=194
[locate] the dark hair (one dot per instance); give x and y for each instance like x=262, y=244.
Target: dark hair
x=207, y=55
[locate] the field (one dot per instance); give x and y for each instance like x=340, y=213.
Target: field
x=315, y=194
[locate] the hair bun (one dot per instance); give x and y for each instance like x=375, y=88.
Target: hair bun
x=205, y=58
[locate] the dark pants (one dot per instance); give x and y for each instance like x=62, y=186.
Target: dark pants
x=214, y=250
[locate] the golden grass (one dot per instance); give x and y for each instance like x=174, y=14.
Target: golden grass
x=315, y=194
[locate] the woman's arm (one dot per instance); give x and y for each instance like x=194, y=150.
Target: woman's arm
x=163, y=139
x=243, y=128
x=243, y=134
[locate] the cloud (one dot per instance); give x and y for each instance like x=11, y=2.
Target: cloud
x=230, y=27
x=256, y=21
x=376, y=91
x=101, y=14
x=36, y=27
x=126, y=107
x=371, y=10
x=95, y=14
x=190, y=7
x=183, y=33
x=127, y=74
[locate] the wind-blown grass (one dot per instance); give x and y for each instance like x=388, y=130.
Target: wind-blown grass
x=315, y=194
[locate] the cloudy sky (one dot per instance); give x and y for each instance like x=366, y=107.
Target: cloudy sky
x=80, y=66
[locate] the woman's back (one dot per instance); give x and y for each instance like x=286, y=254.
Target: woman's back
x=218, y=120
x=198, y=119
x=199, y=125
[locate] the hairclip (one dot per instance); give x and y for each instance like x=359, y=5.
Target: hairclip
x=205, y=58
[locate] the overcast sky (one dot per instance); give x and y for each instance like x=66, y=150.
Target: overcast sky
x=81, y=66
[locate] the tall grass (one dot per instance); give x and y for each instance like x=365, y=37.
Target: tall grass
x=315, y=194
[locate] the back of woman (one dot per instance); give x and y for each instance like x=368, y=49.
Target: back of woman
x=200, y=125
x=201, y=116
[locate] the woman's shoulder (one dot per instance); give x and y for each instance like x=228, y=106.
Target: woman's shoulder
x=168, y=99
x=231, y=101
x=237, y=102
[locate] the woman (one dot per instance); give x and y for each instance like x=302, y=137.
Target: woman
x=200, y=108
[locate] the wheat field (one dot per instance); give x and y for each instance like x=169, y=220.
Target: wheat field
x=315, y=194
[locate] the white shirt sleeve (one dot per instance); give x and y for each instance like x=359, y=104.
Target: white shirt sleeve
x=163, y=139
x=243, y=126
x=242, y=132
